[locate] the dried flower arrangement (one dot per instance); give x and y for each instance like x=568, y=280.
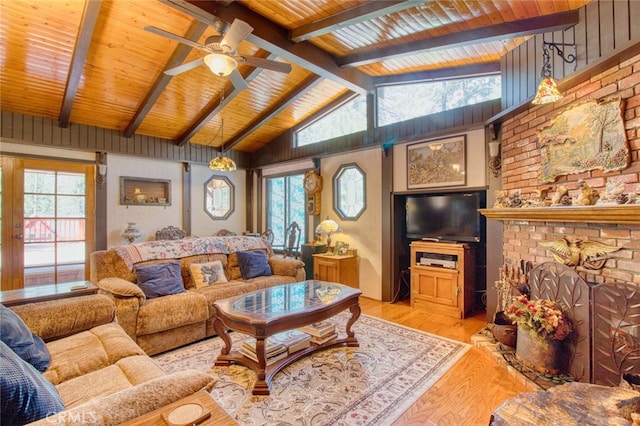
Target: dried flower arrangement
x=542, y=318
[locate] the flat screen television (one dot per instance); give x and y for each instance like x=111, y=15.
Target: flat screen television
x=445, y=217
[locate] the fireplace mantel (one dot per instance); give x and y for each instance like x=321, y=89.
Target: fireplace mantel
x=627, y=213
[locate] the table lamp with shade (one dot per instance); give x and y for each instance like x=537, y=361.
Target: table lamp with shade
x=328, y=227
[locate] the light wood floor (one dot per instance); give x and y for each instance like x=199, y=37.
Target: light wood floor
x=469, y=392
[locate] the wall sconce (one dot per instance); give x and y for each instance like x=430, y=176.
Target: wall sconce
x=548, y=89
x=101, y=169
x=495, y=162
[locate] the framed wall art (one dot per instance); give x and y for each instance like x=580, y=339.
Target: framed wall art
x=437, y=163
x=585, y=137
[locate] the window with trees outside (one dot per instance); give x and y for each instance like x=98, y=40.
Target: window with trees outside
x=349, y=118
x=405, y=101
x=285, y=203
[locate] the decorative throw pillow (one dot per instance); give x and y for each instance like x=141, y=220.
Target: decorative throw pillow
x=253, y=264
x=204, y=274
x=15, y=334
x=160, y=279
x=26, y=395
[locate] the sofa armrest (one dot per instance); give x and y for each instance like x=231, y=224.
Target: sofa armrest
x=130, y=403
x=287, y=267
x=128, y=298
x=122, y=288
x=56, y=319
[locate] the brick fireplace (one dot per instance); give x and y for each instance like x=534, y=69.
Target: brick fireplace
x=520, y=163
x=525, y=228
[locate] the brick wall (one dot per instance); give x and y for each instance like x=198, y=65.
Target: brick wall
x=521, y=161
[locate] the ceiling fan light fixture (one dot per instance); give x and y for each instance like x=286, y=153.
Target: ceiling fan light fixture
x=220, y=64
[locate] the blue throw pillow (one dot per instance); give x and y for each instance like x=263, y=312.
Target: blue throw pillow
x=26, y=395
x=253, y=264
x=160, y=279
x=15, y=334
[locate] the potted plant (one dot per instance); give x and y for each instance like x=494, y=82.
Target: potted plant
x=543, y=327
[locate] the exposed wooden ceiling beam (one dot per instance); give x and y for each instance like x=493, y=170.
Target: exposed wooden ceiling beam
x=523, y=27
x=85, y=34
x=195, y=31
x=452, y=72
x=355, y=15
x=274, y=38
x=301, y=89
x=230, y=92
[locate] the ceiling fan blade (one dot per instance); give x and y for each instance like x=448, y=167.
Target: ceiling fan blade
x=237, y=80
x=184, y=67
x=177, y=38
x=237, y=32
x=267, y=64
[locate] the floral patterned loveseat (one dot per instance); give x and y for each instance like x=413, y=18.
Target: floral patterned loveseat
x=160, y=323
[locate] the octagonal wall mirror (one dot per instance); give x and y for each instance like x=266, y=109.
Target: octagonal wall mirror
x=218, y=197
x=349, y=200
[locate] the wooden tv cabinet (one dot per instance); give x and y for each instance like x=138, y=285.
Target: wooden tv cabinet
x=443, y=282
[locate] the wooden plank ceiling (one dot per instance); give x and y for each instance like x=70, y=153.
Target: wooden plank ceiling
x=92, y=62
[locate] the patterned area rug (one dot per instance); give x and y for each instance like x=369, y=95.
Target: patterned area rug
x=369, y=385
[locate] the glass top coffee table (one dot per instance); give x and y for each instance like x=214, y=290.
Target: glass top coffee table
x=269, y=311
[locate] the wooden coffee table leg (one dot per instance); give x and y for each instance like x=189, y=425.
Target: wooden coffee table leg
x=221, y=331
x=261, y=386
x=355, y=314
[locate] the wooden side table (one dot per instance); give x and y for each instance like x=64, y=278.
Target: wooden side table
x=43, y=293
x=341, y=269
x=218, y=416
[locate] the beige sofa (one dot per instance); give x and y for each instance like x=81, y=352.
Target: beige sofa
x=102, y=376
x=162, y=323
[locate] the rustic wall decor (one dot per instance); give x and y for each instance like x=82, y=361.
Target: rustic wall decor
x=588, y=136
x=436, y=163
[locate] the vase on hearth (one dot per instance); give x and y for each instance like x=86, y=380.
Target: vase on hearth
x=504, y=330
x=546, y=356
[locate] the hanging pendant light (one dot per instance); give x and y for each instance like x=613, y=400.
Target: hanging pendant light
x=548, y=89
x=221, y=163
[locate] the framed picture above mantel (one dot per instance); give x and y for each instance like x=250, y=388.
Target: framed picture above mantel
x=136, y=191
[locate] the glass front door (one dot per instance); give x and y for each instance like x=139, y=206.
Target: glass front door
x=47, y=222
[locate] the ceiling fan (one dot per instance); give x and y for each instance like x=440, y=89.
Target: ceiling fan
x=221, y=55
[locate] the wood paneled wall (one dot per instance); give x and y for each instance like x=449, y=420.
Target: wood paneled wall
x=26, y=129
x=21, y=128
x=605, y=27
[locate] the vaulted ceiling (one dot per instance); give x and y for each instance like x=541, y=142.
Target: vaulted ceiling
x=92, y=62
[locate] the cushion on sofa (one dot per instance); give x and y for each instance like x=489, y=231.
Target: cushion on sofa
x=89, y=351
x=17, y=336
x=253, y=264
x=165, y=313
x=233, y=266
x=26, y=395
x=204, y=274
x=124, y=374
x=133, y=402
x=160, y=279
